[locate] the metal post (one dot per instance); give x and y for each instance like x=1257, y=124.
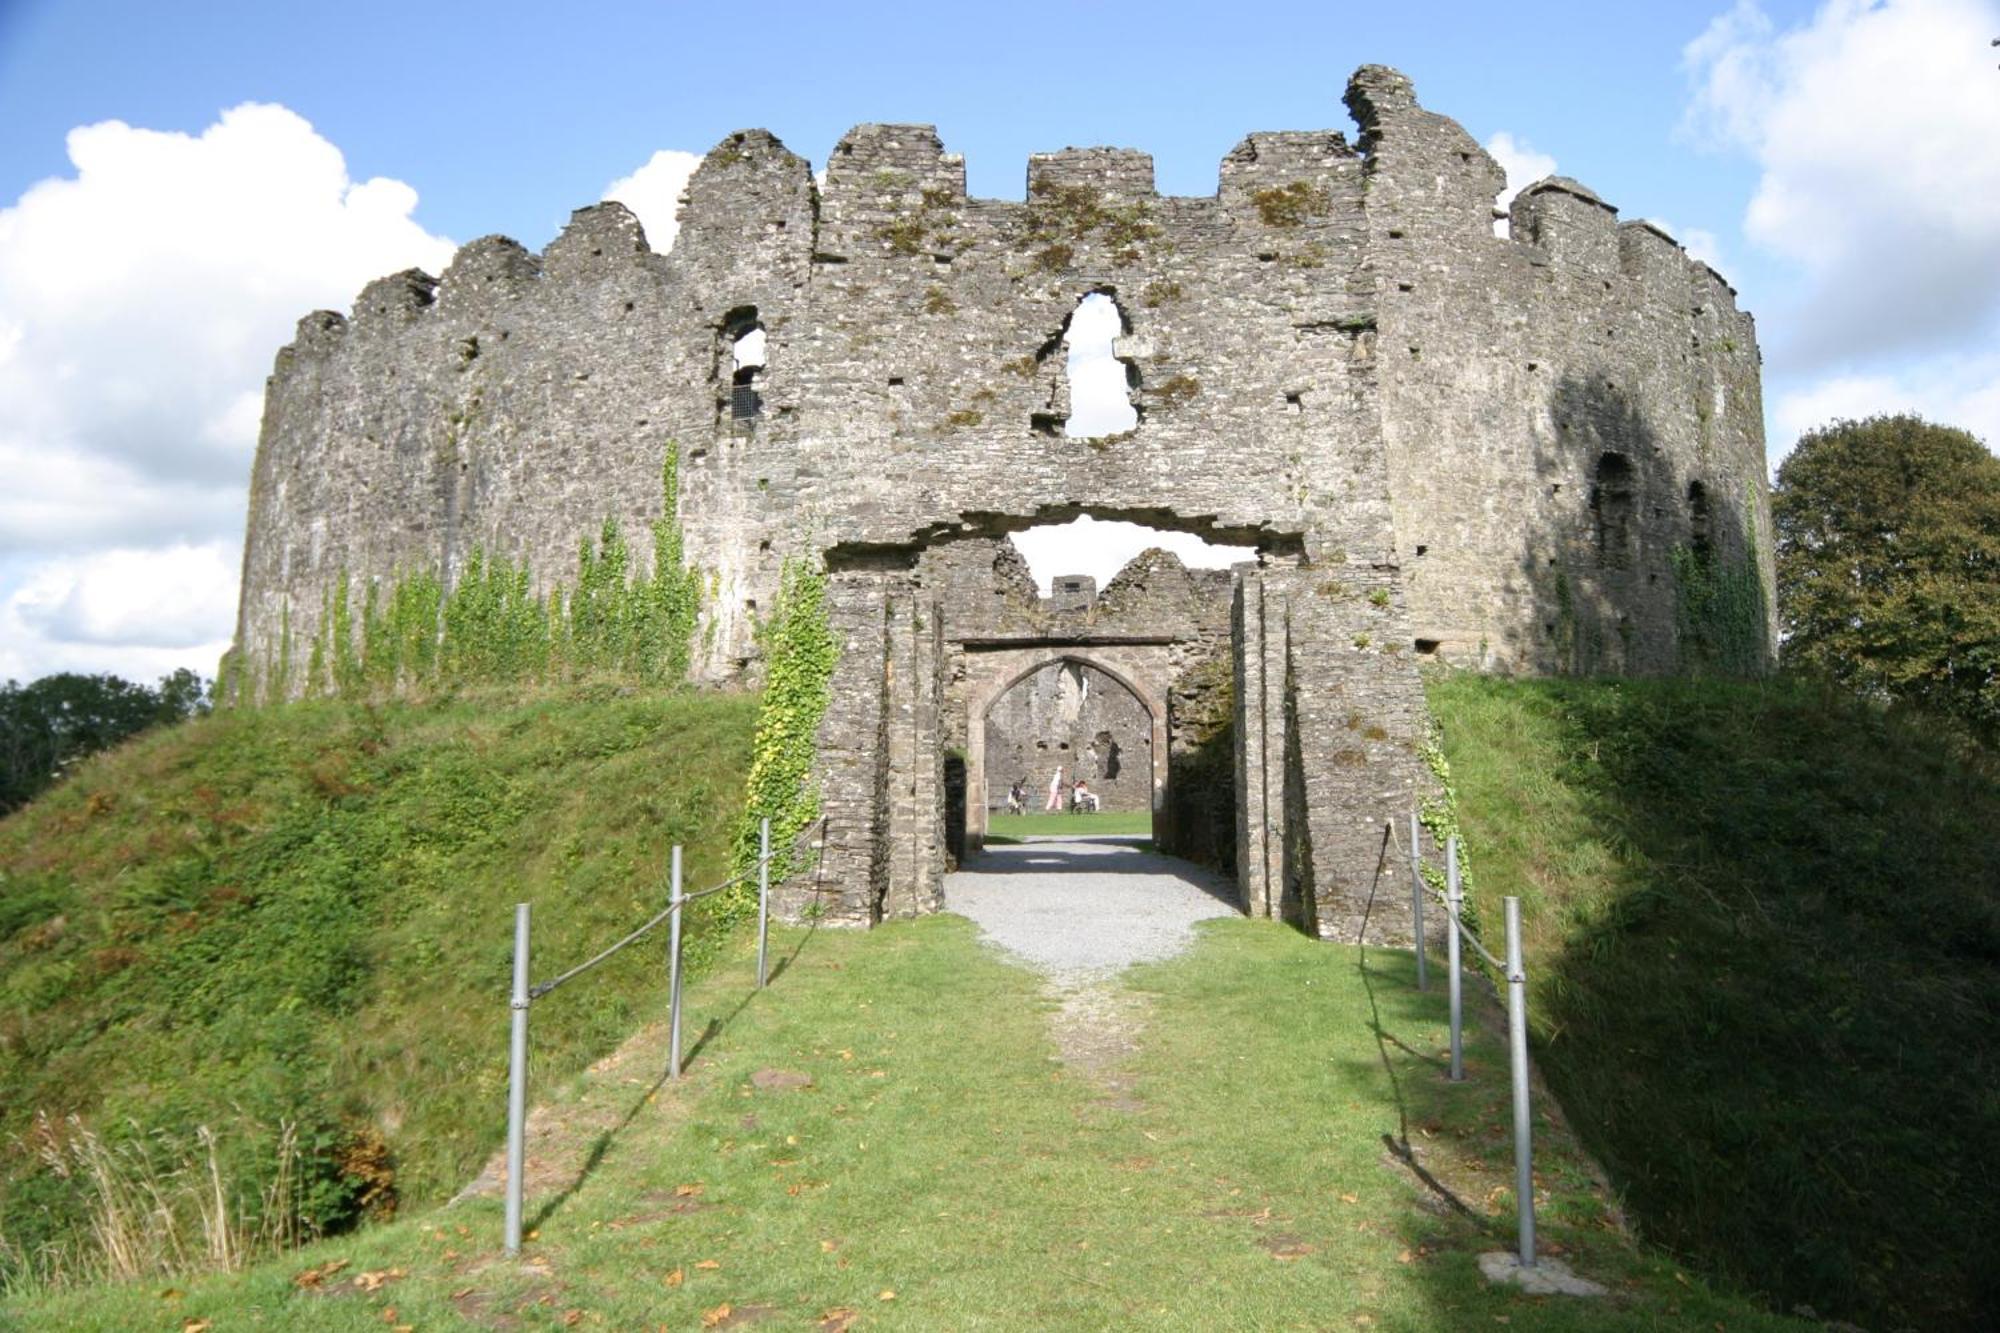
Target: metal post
x=763, y=901
x=517, y=1082
x=674, y=972
x=1455, y=901
x=1517, y=1043
x=1417, y=901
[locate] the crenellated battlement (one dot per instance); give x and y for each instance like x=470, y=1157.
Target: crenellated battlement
x=1498, y=451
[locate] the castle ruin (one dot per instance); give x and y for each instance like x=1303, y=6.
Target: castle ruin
x=1498, y=452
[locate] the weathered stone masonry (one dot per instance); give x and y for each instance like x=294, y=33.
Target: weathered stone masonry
x=1443, y=443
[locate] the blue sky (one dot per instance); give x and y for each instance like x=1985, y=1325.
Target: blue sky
x=1837, y=160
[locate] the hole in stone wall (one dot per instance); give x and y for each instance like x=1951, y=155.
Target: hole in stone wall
x=1699, y=523
x=1100, y=385
x=1090, y=552
x=746, y=362
x=1427, y=646
x=1611, y=506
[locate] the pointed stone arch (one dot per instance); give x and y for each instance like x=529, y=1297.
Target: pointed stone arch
x=1143, y=670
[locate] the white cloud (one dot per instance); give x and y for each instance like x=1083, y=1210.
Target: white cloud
x=138, y=612
x=1873, y=124
x=1524, y=165
x=142, y=298
x=1100, y=548
x=165, y=598
x=1961, y=391
x=653, y=192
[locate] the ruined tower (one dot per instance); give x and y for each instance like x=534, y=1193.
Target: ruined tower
x=1445, y=444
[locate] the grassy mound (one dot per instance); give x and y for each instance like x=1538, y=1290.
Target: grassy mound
x=302, y=917
x=1764, y=945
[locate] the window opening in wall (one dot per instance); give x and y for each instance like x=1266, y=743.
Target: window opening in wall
x=1100, y=385
x=1611, y=504
x=746, y=364
x=1700, y=531
x=1066, y=557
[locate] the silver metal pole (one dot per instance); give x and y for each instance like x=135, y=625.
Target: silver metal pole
x=763, y=901
x=1456, y=902
x=674, y=972
x=1517, y=1042
x=517, y=1083
x=1417, y=901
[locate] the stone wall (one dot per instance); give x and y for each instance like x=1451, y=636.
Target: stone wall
x=1441, y=443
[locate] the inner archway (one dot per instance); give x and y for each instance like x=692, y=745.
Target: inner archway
x=1076, y=692
x=1069, y=739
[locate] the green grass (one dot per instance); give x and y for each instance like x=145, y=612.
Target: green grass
x=940, y=1155
x=304, y=915
x=1066, y=825
x=1764, y=944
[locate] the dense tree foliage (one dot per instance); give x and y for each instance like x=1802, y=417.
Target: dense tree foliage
x=49, y=724
x=1888, y=545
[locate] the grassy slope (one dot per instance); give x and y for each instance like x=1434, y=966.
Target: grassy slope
x=941, y=1157
x=305, y=913
x=1765, y=949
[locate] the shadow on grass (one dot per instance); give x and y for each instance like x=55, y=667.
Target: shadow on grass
x=1398, y=1143
x=1765, y=970
x=710, y=1030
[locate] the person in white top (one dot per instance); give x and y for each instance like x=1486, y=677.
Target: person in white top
x=1083, y=798
x=1055, y=793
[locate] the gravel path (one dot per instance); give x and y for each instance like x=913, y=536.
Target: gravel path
x=1086, y=906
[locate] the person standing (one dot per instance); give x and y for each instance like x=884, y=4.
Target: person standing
x=1054, y=806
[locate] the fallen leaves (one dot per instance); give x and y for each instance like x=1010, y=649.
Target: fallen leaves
x=378, y=1278
x=887, y=1295
x=836, y=1320
x=709, y=1264
x=675, y=1278
x=314, y=1277
x=711, y=1318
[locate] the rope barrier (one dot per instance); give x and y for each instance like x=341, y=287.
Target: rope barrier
x=1516, y=973
x=524, y=995
x=537, y=992
x=1444, y=901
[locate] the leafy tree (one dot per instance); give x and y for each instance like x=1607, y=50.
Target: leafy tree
x=1888, y=546
x=51, y=723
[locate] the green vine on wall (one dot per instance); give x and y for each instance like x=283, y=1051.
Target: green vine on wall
x=1439, y=816
x=491, y=628
x=1720, y=613
x=799, y=656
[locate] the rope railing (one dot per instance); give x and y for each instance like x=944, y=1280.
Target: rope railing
x=1514, y=972
x=1444, y=900
x=525, y=995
